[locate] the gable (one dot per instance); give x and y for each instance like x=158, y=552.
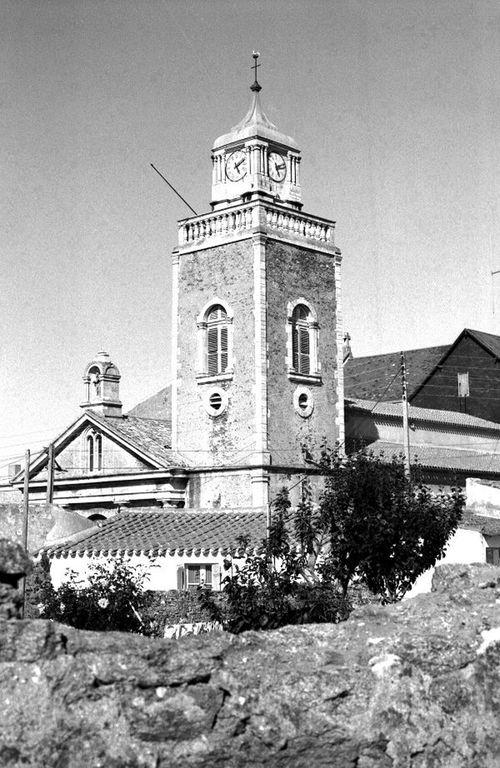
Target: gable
x=72, y=457
x=377, y=377
x=471, y=355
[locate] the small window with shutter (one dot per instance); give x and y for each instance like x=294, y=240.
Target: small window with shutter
x=301, y=339
x=194, y=575
x=217, y=340
x=463, y=384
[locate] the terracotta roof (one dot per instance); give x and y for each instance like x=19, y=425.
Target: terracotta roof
x=153, y=436
x=158, y=406
x=441, y=457
x=453, y=418
x=161, y=532
x=489, y=526
x=376, y=377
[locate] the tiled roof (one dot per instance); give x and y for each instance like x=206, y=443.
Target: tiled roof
x=158, y=406
x=440, y=457
x=161, y=532
x=453, y=418
x=376, y=377
x=153, y=436
x=489, y=526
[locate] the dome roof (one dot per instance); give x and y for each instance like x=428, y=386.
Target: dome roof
x=255, y=124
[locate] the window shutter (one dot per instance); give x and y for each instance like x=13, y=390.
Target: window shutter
x=180, y=577
x=463, y=384
x=212, y=346
x=295, y=347
x=216, y=577
x=223, y=349
x=304, y=349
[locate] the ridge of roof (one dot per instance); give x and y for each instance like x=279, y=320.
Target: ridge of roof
x=488, y=340
x=417, y=413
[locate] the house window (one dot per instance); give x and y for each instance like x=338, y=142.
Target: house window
x=302, y=343
x=193, y=575
x=493, y=555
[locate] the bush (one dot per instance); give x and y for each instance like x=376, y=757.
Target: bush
x=111, y=598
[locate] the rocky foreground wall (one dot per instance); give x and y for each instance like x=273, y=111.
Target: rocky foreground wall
x=416, y=684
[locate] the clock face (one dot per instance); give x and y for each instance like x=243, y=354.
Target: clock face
x=277, y=166
x=236, y=165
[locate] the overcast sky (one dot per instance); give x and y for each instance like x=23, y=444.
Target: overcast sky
x=394, y=105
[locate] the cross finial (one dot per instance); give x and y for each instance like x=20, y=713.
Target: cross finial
x=255, y=85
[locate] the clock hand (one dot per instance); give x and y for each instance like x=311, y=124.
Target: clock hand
x=237, y=165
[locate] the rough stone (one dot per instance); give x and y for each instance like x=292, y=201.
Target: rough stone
x=415, y=685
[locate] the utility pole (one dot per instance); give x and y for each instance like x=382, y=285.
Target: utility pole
x=26, y=509
x=50, y=475
x=406, y=427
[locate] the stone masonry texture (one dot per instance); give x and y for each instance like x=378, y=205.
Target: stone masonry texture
x=415, y=685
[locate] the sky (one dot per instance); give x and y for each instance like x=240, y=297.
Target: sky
x=394, y=104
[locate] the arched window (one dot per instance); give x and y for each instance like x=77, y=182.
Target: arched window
x=217, y=340
x=302, y=342
x=90, y=452
x=301, y=339
x=94, y=452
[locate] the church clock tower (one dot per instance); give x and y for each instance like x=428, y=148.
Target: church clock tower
x=257, y=332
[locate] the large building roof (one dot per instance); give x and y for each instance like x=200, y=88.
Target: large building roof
x=158, y=406
x=416, y=413
x=377, y=377
x=440, y=457
x=188, y=532
x=153, y=436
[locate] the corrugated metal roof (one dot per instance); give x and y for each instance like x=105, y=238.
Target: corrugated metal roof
x=161, y=532
x=453, y=418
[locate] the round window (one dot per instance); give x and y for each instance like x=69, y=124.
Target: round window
x=303, y=402
x=215, y=401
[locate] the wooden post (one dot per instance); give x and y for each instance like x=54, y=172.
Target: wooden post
x=406, y=427
x=26, y=507
x=50, y=475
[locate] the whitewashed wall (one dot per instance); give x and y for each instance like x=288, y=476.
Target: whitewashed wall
x=465, y=546
x=161, y=570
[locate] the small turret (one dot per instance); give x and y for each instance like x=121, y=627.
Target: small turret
x=102, y=386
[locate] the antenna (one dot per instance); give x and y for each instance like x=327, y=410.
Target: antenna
x=173, y=189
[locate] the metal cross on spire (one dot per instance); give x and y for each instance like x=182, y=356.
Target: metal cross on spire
x=255, y=85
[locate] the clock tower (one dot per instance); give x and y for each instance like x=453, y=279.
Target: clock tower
x=257, y=328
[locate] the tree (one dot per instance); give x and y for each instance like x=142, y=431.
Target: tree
x=371, y=524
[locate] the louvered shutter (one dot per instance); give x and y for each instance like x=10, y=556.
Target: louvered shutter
x=223, y=349
x=180, y=577
x=216, y=577
x=295, y=347
x=212, y=352
x=304, y=350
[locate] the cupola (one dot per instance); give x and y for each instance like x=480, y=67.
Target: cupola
x=102, y=386
x=254, y=158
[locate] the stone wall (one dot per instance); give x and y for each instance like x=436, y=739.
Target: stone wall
x=410, y=686
x=40, y=521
